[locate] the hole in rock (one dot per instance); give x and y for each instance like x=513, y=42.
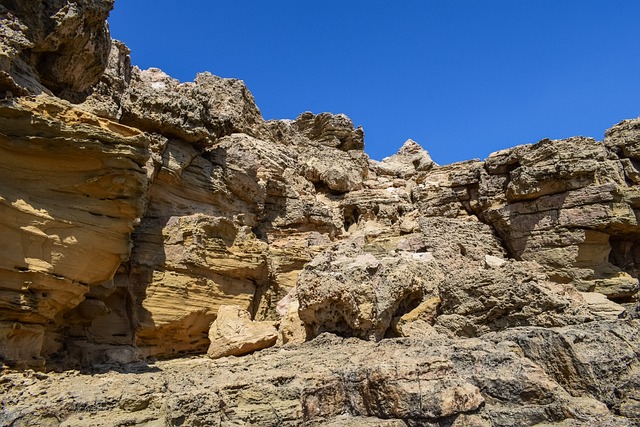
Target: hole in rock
x=351, y=216
x=408, y=304
x=625, y=253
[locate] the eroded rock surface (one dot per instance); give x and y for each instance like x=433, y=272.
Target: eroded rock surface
x=73, y=186
x=508, y=378
x=234, y=333
x=135, y=206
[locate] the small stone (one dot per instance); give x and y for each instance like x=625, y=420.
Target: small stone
x=491, y=261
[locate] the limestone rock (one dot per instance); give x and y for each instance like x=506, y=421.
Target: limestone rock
x=491, y=261
x=60, y=47
x=233, y=333
x=350, y=291
x=561, y=376
x=339, y=172
x=564, y=208
x=411, y=158
x=331, y=130
x=623, y=138
x=488, y=292
x=509, y=296
x=208, y=108
x=105, y=98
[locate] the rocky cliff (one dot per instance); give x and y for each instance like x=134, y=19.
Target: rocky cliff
x=146, y=222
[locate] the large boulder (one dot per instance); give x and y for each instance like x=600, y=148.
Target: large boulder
x=350, y=291
x=233, y=333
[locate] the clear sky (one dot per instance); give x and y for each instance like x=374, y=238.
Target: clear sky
x=462, y=78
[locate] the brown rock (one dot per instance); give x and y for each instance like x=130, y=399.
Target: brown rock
x=474, y=281
x=208, y=108
x=72, y=186
x=233, y=333
x=350, y=291
x=62, y=47
x=516, y=377
x=411, y=158
x=331, y=130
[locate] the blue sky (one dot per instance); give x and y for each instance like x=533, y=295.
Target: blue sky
x=462, y=78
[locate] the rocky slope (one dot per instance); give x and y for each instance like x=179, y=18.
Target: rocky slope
x=136, y=208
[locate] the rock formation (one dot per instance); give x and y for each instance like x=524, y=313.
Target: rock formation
x=146, y=219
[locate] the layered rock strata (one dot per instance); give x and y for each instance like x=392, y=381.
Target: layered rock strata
x=134, y=207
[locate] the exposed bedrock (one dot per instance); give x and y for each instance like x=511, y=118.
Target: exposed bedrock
x=73, y=185
x=590, y=376
x=60, y=47
x=135, y=206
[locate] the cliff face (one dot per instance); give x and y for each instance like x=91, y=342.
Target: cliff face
x=134, y=207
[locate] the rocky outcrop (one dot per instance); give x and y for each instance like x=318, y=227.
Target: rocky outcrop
x=73, y=186
x=565, y=203
x=54, y=47
x=523, y=376
x=352, y=292
x=146, y=218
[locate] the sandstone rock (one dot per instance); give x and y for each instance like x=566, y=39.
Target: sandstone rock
x=291, y=330
x=233, y=333
x=72, y=187
x=184, y=269
x=599, y=305
x=418, y=322
x=132, y=220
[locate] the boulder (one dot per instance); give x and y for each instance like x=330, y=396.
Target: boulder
x=352, y=292
x=233, y=333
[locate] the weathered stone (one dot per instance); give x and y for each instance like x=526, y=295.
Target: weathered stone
x=53, y=46
x=291, y=330
x=184, y=270
x=203, y=110
x=350, y=291
x=411, y=158
x=72, y=186
x=331, y=130
x=601, y=306
x=522, y=376
x=131, y=220
x=233, y=333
